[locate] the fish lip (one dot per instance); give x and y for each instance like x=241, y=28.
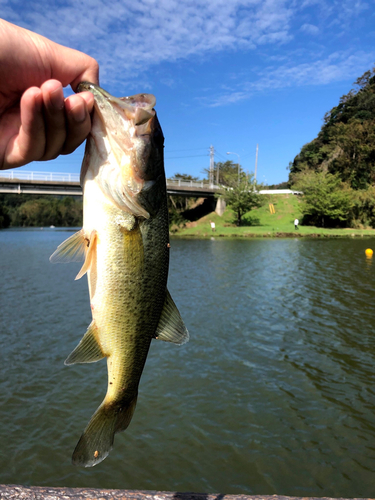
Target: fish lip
x=86, y=86
x=94, y=89
x=145, y=101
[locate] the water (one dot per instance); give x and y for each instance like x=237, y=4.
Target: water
x=274, y=394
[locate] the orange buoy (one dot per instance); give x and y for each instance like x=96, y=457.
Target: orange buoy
x=368, y=252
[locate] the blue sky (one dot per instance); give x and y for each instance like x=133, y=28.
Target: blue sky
x=231, y=73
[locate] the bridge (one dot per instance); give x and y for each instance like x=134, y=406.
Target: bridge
x=59, y=183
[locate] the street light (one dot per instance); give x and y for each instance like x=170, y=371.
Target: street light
x=239, y=161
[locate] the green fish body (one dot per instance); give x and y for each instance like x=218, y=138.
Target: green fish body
x=125, y=244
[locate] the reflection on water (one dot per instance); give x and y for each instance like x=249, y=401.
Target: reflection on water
x=273, y=394
x=369, y=261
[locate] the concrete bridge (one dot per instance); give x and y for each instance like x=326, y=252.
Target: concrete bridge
x=58, y=183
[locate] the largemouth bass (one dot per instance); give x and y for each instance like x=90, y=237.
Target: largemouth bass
x=125, y=245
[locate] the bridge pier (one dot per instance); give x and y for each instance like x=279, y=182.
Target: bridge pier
x=220, y=206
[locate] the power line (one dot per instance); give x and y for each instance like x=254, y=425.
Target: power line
x=192, y=156
x=222, y=157
x=178, y=150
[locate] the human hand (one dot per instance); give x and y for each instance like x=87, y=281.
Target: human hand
x=36, y=122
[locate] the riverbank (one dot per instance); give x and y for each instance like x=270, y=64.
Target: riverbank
x=260, y=223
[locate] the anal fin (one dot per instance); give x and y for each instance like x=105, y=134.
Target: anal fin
x=88, y=350
x=171, y=328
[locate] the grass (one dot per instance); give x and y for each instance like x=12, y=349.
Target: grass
x=261, y=223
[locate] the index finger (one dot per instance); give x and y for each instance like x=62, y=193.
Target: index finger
x=70, y=66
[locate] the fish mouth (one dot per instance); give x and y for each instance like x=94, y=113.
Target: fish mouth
x=127, y=129
x=138, y=108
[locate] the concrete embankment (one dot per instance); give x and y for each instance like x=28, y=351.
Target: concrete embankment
x=47, y=493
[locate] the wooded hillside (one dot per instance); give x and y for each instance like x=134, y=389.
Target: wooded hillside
x=22, y=210
x=340, y=161
x=346, y=142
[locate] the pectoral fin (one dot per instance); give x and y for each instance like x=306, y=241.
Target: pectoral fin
x=171, y=328
x=88, y=350
x=90, y=250
x=71, y=250
x=76, y=248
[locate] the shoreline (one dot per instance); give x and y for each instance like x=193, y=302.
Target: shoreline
x=269, y=235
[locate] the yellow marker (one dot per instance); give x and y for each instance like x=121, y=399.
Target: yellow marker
x=368, y=252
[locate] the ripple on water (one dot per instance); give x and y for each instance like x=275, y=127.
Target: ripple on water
x=274, y=393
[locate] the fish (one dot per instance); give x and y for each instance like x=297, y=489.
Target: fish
x=124, y=243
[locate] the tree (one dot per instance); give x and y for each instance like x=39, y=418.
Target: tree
x=30, y=210
x=346, y=142
x=363, y=210
x=243, y=196
x=4, y=217
x=355, y=152
x=186, y=177
x=178, y=204
x=326, y=200
x=225, y=173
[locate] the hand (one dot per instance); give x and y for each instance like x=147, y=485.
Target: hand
x=36, y=122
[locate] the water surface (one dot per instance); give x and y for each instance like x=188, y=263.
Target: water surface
x=274, y=394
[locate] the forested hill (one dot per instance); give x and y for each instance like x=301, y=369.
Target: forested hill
x=345, y=145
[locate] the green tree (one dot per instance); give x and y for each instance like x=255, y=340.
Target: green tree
x=186, y=177
x=363, y=209
x=326, y=200
x=30, y=210
x=225, y=173
x=354, y=160
x=346, y=142
x=243, y=196
x=4, y=217
x=178, y=204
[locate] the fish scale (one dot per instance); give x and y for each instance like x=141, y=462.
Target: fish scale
x=125, y=245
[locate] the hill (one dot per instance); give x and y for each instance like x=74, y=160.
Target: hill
x=261, y=223
x=345, y=144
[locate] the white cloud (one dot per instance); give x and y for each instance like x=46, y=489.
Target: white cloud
x=129, y=38
x=338, y=66
x=132, y=36
x=310, y=29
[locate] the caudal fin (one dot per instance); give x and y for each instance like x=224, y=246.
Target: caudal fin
x=97, y=439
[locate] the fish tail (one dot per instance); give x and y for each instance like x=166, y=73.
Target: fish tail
x=97, y=439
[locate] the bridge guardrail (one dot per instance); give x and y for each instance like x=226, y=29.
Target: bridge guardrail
x=27, y=175
x=192, y=184
x=67, y=177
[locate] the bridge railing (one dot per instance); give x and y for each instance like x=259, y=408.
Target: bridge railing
x=39, y=176
x=67, y=177
x=191, y=184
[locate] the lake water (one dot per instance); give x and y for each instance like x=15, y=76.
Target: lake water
x=274, y=394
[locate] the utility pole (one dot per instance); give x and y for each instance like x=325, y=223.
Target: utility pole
x=212, y=165
x=256, y=164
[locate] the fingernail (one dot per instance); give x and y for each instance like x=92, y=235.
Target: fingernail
x=57, y=99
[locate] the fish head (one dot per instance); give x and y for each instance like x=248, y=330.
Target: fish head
x=128, y=136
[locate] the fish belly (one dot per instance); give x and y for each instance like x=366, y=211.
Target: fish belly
x=127, y=282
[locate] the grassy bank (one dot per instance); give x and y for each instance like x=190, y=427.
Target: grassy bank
x=261, y=223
